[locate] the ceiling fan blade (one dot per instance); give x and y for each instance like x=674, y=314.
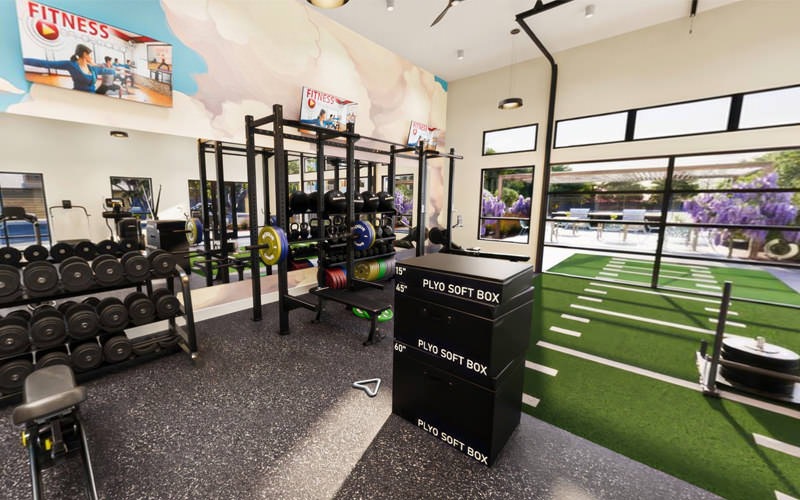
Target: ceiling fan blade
x=441, y=15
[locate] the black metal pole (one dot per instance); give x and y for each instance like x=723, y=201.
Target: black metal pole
x=281, y=186
x=662, y=221
x=710, y=386
x=206, y=219
x=421, y=198
x=255, y=274
x=351, y=216
x=265, y=156
x=450, y=174
x=222, y=271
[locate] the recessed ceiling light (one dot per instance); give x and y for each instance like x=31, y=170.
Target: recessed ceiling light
x=120, y=134
x=390, y=5
x=327, y=4
x=460, y=54
x=589, y=11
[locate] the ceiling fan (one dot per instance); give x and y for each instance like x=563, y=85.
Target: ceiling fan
x=450, y=3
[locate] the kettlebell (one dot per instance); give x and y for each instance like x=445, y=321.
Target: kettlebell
x=304, y=230
x=378, y=231
x=294, y=231
x=388, y=230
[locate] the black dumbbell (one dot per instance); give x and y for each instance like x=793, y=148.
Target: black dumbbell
x=76, y=275
x=52, y=358
x=167, y=304
x=35, y=253
x=13, y=335
x=20, y=313
x=86, y=356
x=47, y=327
x=108, y=247
x=59, y=252
x=40, y=278
x=10, y=256
x=92, y=301
x=86, y=249
x=117, y=349
x=113, y=314
x=82, y=320
x=9, y=280
x=108, y=271
x=141, y=348
x=13, y=373
x=136, y=266
x=162, y=263
x=141, y=309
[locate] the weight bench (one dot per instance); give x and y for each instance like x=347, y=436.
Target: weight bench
x=53, y=429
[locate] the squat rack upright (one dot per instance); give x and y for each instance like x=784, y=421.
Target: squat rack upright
x=321, y=137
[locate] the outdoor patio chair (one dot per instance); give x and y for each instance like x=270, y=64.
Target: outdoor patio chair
x=633, y=215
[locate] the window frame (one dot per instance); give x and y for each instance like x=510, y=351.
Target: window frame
x=481, y=218
x=535, y=139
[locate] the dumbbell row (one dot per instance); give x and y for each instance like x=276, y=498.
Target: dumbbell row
x=82, y=357
x=76, y=274
x=49, y=326
x=61, y=251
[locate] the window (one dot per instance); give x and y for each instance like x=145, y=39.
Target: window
x=771, y=108
x=697, y=117
x=591, y=130
x=403, y=198
x=236, y=200
x=309, y=165
x=505, y=204
x=136, y=194
x=293, y=166
x=510, y=140
x=22, y=202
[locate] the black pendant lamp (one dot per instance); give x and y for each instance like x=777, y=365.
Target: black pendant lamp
x=327, y=4
x=511, y=102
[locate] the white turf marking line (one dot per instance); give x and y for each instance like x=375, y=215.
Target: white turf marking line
x=712, y=310
x=644, y=320
x=571, y=333
x=575, y=318
x=592, y=290
x=783, y=496
x=622, y=366
x=541, y=368
x=730, y=396
x=604, y=273
x=614, y=266
x=774, y=444
x=590, y=299
x=674, y=277
x=710, y=287
x=530, y=400
x=650, y=292
x=728, y=323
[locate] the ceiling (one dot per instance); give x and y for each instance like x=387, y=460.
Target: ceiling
x=481, y=28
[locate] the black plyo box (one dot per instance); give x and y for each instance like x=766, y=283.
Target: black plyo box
x=469, y=345
x=477, y=285
x=474, y=419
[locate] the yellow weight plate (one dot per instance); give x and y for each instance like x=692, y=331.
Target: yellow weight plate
x=270, y=255
x=191, y=235
x=362, y=270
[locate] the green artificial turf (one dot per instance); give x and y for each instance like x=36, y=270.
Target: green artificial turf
x=752, y=284
x=705, y=441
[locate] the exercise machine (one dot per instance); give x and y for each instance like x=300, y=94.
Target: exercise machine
x=53, y=428
x=18, y=213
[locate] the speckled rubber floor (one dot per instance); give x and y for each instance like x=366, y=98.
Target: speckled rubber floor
x=265, y=416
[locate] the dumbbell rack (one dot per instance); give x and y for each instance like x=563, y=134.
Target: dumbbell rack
x=179, y=336
x=355, y=292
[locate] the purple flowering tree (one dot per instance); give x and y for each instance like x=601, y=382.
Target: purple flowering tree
x=491, y=206
x=521, y=208
x=746, y=208
x=403, y=205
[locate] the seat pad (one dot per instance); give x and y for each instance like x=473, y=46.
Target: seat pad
x=48, y=390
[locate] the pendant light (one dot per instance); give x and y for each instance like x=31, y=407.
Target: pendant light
x=327, y=4
x=511, y=102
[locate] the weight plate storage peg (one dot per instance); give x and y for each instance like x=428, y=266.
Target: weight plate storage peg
x=10, y=256
x=47, y=327
x=36, y=253
x=9, y=280
x=13, y=373
x=13, y=335
x=117, y=349
x=113, y=314
x=136, y=266
x=86, y=356
x=40, y=277
x=82, y=321
x=141, y=309
x=276, y=245
x=52, y=358
x=162, y=263
x=167, y=305
x=76, y=275
x=108, y=270
x=86, y=249
x=61, y=251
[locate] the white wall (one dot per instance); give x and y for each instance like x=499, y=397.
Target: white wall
x=747, y=45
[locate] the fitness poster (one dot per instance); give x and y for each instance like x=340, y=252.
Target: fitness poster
x=69, y=51
x=419, y=131
x=326, y=110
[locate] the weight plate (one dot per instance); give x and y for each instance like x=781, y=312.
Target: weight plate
x=361, y=270
x=141, y=309
x=385, y=315
x=40, y=277
x=47, y=328
x=10, y=256
x=284, y=243
x=167, y=342
x=117, y=349
x=36, y=253
x=82, y=321
x=13, y=373
x=136, y=266
x=371, y=229
x=113, y=314
x=162, y=263
x=76, y=275
x=13, y=335
x=86, y=249
x=86, y=356
x=167, y=305
x=52, y=358
x=268, y=235
x=361, y=236
x=142, y=348
x=374, y=270
x=107, y=270
x=360, y=313
x=191, y=232
x=107, y=247
x=383, y=266
x=9, y=280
